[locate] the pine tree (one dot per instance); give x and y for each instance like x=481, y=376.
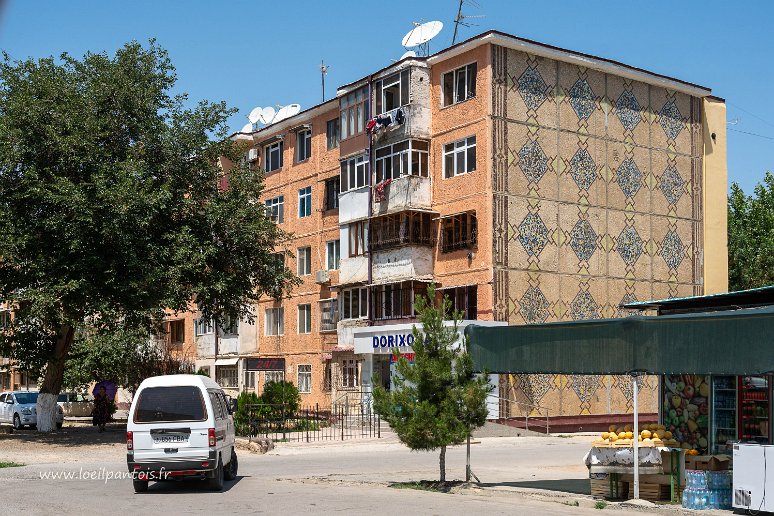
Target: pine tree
x=438, y=400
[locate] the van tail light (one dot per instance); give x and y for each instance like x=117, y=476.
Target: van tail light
x=211, y=437
x=130, y=441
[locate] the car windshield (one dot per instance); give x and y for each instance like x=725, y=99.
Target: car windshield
x=180, y=403
x=23, y=398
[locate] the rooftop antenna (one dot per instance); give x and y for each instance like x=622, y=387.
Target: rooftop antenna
x=419, y=37
x=459, y=19
x=323, y=72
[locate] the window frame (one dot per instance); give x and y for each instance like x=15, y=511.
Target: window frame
x=455, y=80
x=347, y=304
x=461, y=147
x=354, y=110
x=332, y=191
x=305, y=202
x=277, y=321
x=465, y=295
x=400, y=78
x=352, y=171
x=276, y=204
x=336, y=244
x=358, y=238
x=307, y=260
x=390, y=160
x=307, y=374
x=333, y=133
x=464, y=234
x=203, y=327
x=329, y=314
x=349, y=374
x=176, y=331
x=270, y=376
x=268, y=149
x=303, y=143
x=307, y=326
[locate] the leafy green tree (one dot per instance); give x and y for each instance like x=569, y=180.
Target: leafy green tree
x=117, y=201
x=751, y=236
x=438, y=400
x=282, y=393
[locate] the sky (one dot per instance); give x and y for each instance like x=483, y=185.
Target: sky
x=259, y=53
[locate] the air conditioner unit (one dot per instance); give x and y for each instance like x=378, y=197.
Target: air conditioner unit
x=252, y=155
x=322, y=277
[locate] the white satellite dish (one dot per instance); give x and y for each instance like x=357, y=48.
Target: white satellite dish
x=422, y=33
x=293, y=109
x=255, y=115
x=267, y=115
x=248, y=128
x=410, y=53
x=282, y=114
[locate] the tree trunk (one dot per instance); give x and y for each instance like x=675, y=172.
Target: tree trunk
x=52, y=380
x=442, y=461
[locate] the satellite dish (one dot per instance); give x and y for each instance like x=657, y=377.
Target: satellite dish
x=410, y=53
x=255, y=115
x=282, y=114
x=267, y=115
x=422, y=33
x=293, y=109
x=248, y=128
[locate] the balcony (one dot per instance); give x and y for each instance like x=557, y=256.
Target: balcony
x=402, y=229
x=403, y=263
x=353, y=270
x=353, y=205
x=415, y=124
x=403, y=193
x=329, y=315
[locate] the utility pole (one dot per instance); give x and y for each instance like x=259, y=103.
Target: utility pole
x=323, y=73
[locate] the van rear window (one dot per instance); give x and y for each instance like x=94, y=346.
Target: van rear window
x=161, y=404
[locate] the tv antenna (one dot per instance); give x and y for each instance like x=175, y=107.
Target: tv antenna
x=419, y=37
x=323, y=72
x=460, y=18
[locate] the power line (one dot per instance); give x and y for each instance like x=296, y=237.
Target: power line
x=752, y=114
x=752, y=134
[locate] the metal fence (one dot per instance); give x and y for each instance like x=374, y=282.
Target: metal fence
x=311, y=423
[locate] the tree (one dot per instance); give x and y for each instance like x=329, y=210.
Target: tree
x=117, y=201
x=751, y=236
x=438, y=400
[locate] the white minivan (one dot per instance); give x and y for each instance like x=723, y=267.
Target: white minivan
x=180, y=426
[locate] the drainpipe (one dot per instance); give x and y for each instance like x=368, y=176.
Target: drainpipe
x=370, y=206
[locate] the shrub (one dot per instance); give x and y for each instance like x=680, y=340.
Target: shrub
x=282, y=393
x=242, y=414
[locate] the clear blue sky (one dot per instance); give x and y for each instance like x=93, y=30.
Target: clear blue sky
x=252, y=53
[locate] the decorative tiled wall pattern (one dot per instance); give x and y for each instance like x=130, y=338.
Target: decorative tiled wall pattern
x=597, y=195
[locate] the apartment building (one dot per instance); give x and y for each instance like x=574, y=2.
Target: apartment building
x=531, y=183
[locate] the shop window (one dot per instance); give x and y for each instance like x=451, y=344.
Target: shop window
x=405, y=228
x=459, y=85
x=459, y=232
x=272, y=156
x=358, y=238
x=304, y=261
x=349, y=377
x=226, y=376
x=305, y=378
x=354, y=173
x=353, y=113
x=305, y=202
x=275, y=209
x=329, y=314
x=332, y=133
x=332, y=254
x=303, y=145
x=463, y=300
x=332, y=193
x=402, y=159
x=392, y=92
x=459, y=157
x=354, y=303
x=305, y=318
x=274, y=321
x=177, y=331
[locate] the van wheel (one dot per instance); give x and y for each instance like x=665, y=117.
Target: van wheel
x=59, y=426
x=140, y=486
x=216, y=482
x=233, y=465
x=17, y=422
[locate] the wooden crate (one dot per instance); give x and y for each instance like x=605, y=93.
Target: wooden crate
x=601, y=488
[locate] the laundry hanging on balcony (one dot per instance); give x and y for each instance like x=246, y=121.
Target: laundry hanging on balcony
x=379, y=190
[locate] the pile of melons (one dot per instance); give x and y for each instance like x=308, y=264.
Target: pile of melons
x=651, y=435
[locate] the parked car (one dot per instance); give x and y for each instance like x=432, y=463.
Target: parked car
x=75, y=404
x=18, y=408
x=181, y=426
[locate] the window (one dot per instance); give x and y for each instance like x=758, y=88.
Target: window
x=275, y=209
x=327, y=374
x=273, y=156
x=392, y=92
x=275, y=321
x=305, y=318
x=203, y=326
x=459, y=157
x=230, y=326
x=332, y=193
x=463, y=299
x=349, y=374
x=226, y=376
x=358, y=238
x=458, y=232
x=354, y=303
x=305, y=378
x=303, y=145
x=5, y=318
x=304, y=261
x=218, y=411
x=402, y=159
x=305, y=202
x=329, y=314
x=333, y=254
x=250, y=379
x=332, y=133
x=354, y=113
x=273, y=376
x=353, y=173
x=178, y=403
x=405, y=228
x=396, y=300
x=459, y=85
x=177, y=331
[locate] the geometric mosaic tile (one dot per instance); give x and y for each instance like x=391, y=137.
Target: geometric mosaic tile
x=672, y=249
x=629, y=245
x=584, y=307
x=533, y=161
x=628, y=110
x=671, y=119
x=534, y=306
x=532, y=88
x=584, y=386
x=629, y=178
x=583, y=169
x=628, y=298
x=583, y=240
x=533, y=234
x=672, y=185
x=582, y=99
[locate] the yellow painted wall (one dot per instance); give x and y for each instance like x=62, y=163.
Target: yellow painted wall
x=715, y=193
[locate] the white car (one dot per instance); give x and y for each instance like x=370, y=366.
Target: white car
x=18, y=408
x=75, y=404
x=180, y=426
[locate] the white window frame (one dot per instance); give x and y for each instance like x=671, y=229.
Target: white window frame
x=229, y=380
x=273, y=376
x=303, y=145
x=347, y=304
x=305, y=387
x=305, y=202
x=250, y=380
x=203, y=327
x=353, y=174
x=349, y=374
x=274, y=321
x=268, y=150
x=306, y=327
x=304, y=265
x=275, y=209
x=465, y=69
x=393, y=162
x=455, y=150
x=402, y=80
x=335, y=247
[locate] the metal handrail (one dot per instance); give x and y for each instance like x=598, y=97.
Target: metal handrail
x=506, y=411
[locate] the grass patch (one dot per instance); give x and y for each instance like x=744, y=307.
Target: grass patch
x=427, y=485
x=600, y=505
x=9, y=464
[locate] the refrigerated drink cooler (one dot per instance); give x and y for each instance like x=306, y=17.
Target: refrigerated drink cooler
x=754, y=409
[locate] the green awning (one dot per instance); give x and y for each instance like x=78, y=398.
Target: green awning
x=736, y=342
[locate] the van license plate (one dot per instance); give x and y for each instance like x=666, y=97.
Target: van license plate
x=170, y=438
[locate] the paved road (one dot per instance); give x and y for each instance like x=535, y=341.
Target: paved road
x=348, y=479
